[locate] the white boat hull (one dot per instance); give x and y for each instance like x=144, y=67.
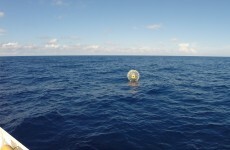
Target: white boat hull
x=7, y=139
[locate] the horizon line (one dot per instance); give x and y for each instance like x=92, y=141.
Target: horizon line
x=117, y=55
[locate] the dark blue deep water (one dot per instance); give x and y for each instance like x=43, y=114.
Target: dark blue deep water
x=87, y=103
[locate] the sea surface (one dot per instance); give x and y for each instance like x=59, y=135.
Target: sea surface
x=87, y=103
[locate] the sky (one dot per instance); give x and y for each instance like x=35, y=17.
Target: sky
x=115, y=27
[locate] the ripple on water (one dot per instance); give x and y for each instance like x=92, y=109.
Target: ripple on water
x=87, y=102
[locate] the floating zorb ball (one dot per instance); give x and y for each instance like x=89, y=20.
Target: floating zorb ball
x=133, y=75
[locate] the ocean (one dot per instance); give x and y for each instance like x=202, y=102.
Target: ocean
x=87, y=102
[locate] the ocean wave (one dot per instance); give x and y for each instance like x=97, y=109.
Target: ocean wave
x=87, y=102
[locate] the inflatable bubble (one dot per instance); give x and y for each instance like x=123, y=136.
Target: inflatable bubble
x=133, y=75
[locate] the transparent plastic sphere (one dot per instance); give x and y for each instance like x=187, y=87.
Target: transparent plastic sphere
x=133, y=75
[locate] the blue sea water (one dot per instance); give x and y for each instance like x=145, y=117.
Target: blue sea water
x=87, y=103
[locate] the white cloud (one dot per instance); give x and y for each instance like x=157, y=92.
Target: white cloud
x=10, y=45
x=31, y=47
x=17, y=46
x=93, y=47
x=154, y=26
x=53, y=43
x=54, y=47
x=186, y=48
x=174, y=39
x=1, y=14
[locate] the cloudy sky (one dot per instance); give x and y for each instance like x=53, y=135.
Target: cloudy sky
x=115, y=27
